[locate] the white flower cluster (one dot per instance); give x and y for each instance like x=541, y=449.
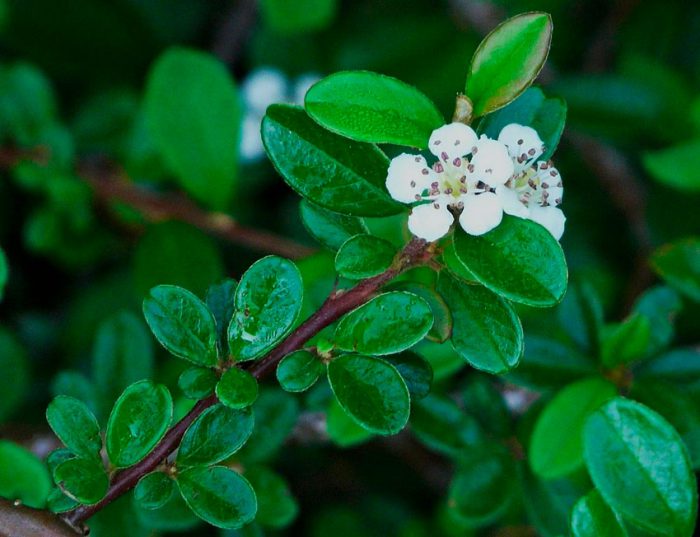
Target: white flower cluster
x=261, y=88
x=479, y=178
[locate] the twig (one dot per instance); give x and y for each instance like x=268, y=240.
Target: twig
x=415, y=253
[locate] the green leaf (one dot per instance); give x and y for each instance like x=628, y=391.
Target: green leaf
x=641, y=468
x=197, y=382
x=415, y=371
x=679, y=366
x=625, y=342
x=154, y=490
x=338, y=174
x=75, y=426
x=218, y=495
x=220, y=299
x=174, y=515
x=453, y=264
x=329, y=228
x=556, y=445
x=122, y=354
x=546, y=115
x=581, y=315
x=15, y=378
x=486, y=331
x=182, y=323
x=215, y=435
x=387, y=324
x=660, y=305
x=138, y=421
x=298, y=371
x=302, y=16
x=58, y=502
x=194, y=115
x=592, y=517
x=483, y=488
x=548, y=363
x=519, y=260
x=342, y=429
x=4, y=272
x=268, y=301
x=57, y=456
x=23, y=476
x=442, y=318
x=441, y=425
x=277, y=508
x=237, y=388
x=679, y=264
x=369, y=107
x=482, y=399
x=363, y=256
x=508, y=60
x=676, y=166
x=84, y=480
x=371, y=391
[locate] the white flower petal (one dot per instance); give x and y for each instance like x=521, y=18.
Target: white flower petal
x=491, y=162
x=452, y=141
x=251, y=146
x=262, y=88
x=523, y=143
x=430, y=223
x=481, y=213
x=302, y=85
x=550, y=182
x=552, y=218
x=511, y=202
x=407, y=177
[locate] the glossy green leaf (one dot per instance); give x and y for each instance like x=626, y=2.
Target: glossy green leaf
x=370, y=107
x=78, y=386
x=237, y=388
x=581, y=315
x=556, y=445
x=23, y=476
x=546, y=115
x=389, y=323
x=298, y=371
x=363, y=256
x=268, y=301
x=84, y=480
x=215, y=435
x=639, y=464
x=442, y=318
x=277, y=507
x=414, y=370
x=483, y=488
x=676, y=166
x=58, y=502
x=342, y=429
x=660, y=305
x=625, y=342
x=57, y=456
x=75, y=426
x=122, y=354
x=302, y=16
x=679, y=264
x=194, y=115
x=508, y=60
x=486, y=331
x=371, y=391
x=4, y=272
x=154, y=490
x=678, y=366
x=139, y=419
x=592, y=517
x=174, y=515
x=15, y=378
x=333, y=172
x=182, y=323
x=455, y=266
x=519, y=260
x=329, y=228
x=197, y=382
x=220, y=299
x=218, y=495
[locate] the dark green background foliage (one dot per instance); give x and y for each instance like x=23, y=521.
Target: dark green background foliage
x=522, y=389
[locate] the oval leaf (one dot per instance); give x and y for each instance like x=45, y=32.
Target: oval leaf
x=298, y=371
x=218, y=495
x=364, y=256
x=442, y=318
x=268, y=301
x=679, y=264
x=182, y=323
x=138, y=421
x=486, y=331
x=639, y=464
x=215, y=435
x=415, y=371
x=519, y=260
x=154, y=490
x=592, y=517
x=508, y=60
x=197, y=382
x=75, y=426
x=371, y=391
x=237, y=388
x=329, y=228
x=276, y=505
x=23, y=476
x=333, y=172
x=83, y=480
x=387, y=324
x=370, y=107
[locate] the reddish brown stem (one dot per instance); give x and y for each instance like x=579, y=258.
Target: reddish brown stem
x=339, y=303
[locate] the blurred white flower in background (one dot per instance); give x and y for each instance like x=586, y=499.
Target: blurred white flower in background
x=261, y=88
